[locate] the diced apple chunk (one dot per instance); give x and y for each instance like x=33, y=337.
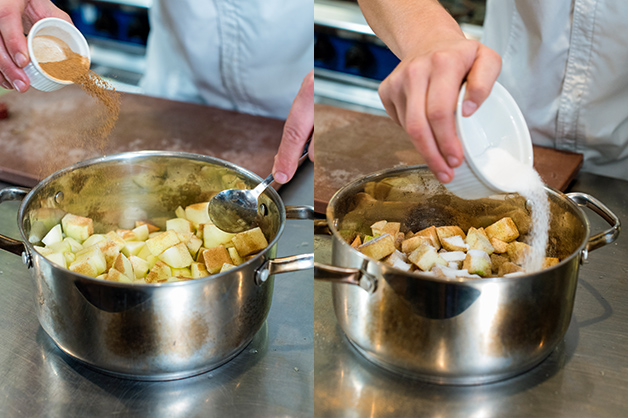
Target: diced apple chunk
x=250, y=242
x=53, y=236
x=477, y=262
x=412, y=243
x=376, y=228
x=93, y=239
x=395, y=255
x=550, y=261
x=69, y=257
x=226, y=267
x=198, y=270
x=160, y=243
x=378, y=248
x=177, y=256
x=75, y=246
x=215, y=257
x=454, y=243
x=110, y=250
x=89, y=261
x=182, y=273
x=197, y=213
x=425, y=236
x=385, y=227
x=213, y=236
x=117, y=239
x=398, y=260
x=194, y=244
x=159, y=273
x=508, y=268
x=77, y=227
x=57, y=258
x=455, y=257
x=180, y=212
x=402, y=265
x=235, y=257
x=425, y=257
x=477, y=240
x=126, y=234
x=518, y=251
x=151, y=227
x=123, y=265
x=117, y=276
x=179, y=225
x=504, y=230
x=140, y=266
x=59, y=247
x=141, y=232
x=43, y=250
x=133, y=248
x=452, y=273
x=449, y=231
x=499, y=246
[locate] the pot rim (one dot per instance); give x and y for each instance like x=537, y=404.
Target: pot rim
x=384, y=269
x=274, y=195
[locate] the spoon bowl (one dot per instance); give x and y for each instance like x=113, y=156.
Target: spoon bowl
x=236, y=210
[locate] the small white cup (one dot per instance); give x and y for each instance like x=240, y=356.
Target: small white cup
x=498, y=123
x=66, y=32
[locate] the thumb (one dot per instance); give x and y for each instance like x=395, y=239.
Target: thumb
x=296, y=132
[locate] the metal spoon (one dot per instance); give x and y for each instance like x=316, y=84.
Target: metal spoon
x=235, y=210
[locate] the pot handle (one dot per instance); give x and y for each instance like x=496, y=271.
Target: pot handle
x=283, y=265
x=299, y=212
x=9, y=244
x=604, y=237
x=347, y=275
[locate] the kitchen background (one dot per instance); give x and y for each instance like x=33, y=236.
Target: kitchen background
x=116, y=31
x=349, y=59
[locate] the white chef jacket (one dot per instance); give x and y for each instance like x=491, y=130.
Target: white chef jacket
x=245, y=55
x=566, y=64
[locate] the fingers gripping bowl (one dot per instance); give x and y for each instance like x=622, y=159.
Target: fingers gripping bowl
x=452, y=330
x=150, y=331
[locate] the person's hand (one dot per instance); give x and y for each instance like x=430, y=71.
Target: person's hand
x=422, y=92
x=297, y=130
x=16, y=18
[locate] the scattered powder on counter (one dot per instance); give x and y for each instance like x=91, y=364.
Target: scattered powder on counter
x=524, y=180
x=75, y=68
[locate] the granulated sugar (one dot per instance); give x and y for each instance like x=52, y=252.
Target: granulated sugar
x=74, y=67
x=526, y=181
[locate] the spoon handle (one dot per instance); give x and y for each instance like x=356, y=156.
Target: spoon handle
x=306, y=147
x=259, y=189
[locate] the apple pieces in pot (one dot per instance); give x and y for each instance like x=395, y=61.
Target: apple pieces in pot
x=190, y=247
x=448, y=251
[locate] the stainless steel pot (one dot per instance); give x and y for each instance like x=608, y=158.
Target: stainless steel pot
x=154, y=331
x=457, y=331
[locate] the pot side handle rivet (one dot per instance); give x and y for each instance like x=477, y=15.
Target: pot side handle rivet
x=27, y=259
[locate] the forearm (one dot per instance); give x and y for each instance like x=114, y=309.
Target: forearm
x=408, y=25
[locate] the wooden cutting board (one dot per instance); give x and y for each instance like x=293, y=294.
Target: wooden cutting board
x=46, y=132
x=351, y=144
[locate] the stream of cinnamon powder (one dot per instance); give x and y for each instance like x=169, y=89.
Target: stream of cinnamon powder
x=75, y=68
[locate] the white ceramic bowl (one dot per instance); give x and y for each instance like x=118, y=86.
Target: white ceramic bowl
x=66, y=32
x=498, y=123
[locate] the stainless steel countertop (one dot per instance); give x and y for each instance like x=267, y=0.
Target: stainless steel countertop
x=272, y=377
x=586, y=375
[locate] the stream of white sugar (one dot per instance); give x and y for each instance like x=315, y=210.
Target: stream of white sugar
x=524, y=180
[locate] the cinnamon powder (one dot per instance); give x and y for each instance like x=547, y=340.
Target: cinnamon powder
x=75, y=68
